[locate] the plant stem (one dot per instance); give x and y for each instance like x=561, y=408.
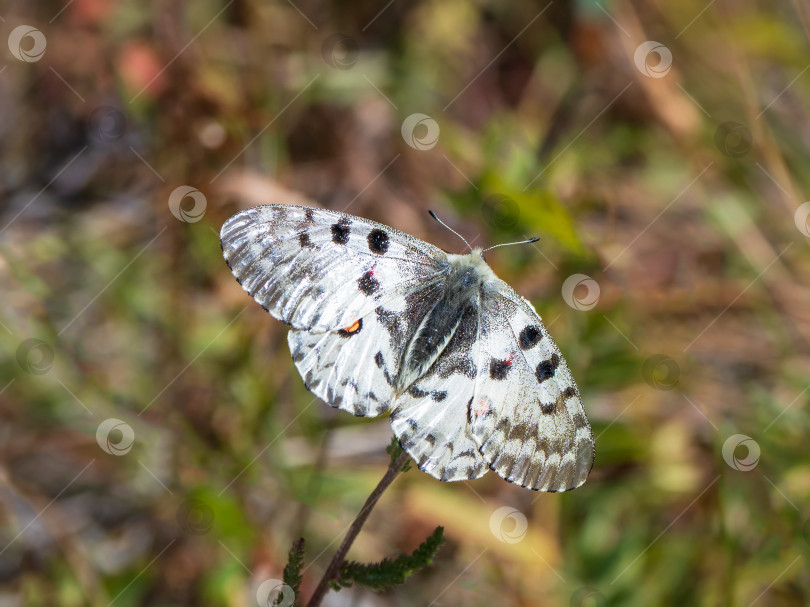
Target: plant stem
x=340, y=556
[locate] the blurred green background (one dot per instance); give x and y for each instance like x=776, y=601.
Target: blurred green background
x=157, y=446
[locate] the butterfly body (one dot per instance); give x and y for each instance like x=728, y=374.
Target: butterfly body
x=382, y=321
x=466, y=276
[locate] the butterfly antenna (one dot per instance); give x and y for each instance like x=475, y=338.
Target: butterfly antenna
x=432, y=214
x=506, y=244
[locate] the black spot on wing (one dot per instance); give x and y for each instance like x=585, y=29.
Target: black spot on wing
x=529, y=337
x=580, y=421
x=380, y=362
x=368, y=284
x=310, y=215
x=547, y=368
x=438, y=395
x=416, y=392
x=499, y=369
x=449, y=472
x=569, y=392
x=378, y=241
x=304, y=241
x=298, y=353
x=548, y=408
x=340, y=231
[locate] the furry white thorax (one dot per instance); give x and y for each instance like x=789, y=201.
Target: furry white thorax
x=474, y=260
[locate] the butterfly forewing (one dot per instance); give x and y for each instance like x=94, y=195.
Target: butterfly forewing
x=320, y=270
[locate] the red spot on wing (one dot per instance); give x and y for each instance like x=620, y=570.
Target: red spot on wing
x=480, y=406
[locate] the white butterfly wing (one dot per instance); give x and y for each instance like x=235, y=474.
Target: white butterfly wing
x=526, y=414
x=430, y=417
x=353, y=291
x=355, y=370
x=320, y=270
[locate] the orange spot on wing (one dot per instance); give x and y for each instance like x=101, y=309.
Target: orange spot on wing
x=353, y=327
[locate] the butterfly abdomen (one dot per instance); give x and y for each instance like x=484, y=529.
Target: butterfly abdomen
x=460, y=293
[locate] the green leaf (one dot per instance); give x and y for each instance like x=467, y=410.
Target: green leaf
x=389, y=573
x=292, y=572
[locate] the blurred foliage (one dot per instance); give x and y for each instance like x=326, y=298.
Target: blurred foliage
x=677, y=189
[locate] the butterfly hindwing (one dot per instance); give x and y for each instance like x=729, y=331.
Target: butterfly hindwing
x=430, y=416
x=355, y=369
x=526, y=414
x=347, y=368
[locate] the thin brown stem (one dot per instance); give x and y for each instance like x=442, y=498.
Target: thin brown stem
x=340, y=556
